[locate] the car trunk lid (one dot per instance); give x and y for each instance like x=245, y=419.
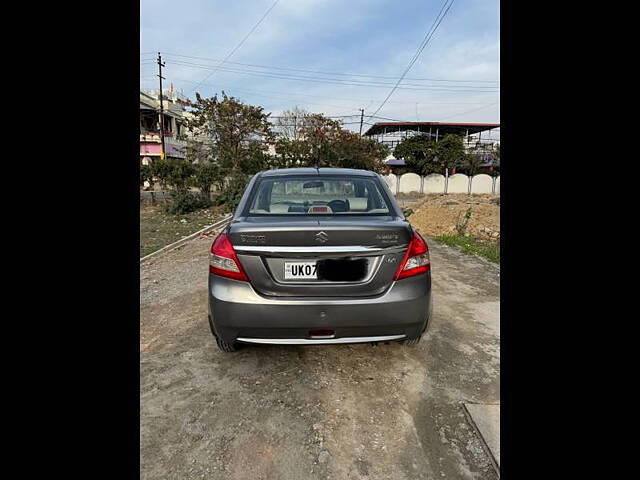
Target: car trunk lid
x=352, y=255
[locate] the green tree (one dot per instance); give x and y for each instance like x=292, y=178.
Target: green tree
x=450, y=152
x=419, y=153
x=495, y=161
x=146, y=176
x=321, y=141
x=234, y=187
x=234, y=139
x=206, y=174
x=353, y=151
x=180, y=174
x=161, y=170
x=237, y=133
x=321, y=133
x=472, y=162
x=291, y=153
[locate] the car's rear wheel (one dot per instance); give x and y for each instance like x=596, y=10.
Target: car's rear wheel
x=222, y=345
x=412, y=341
x=226, y=347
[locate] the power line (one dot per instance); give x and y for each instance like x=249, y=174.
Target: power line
x=262, y=93
x=422, y=46
x=288, y=76
x=390, y=119
x=269, y=94
x=450, y=88
x=346, y=81
x=329, y=73
x=241, y=42
x=470, y=111
x=328, y=116
x=351, y=100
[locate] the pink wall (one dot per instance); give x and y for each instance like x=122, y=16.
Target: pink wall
x=153, y=148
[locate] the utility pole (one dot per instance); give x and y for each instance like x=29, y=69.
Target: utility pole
x=361, y=119
x=160, y=65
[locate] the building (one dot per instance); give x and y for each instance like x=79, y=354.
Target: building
x=174, y=121
x=392, y=133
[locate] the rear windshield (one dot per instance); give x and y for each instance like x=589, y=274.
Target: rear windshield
x=318, y=195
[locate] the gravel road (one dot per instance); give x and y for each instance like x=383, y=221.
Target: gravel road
x=319, y=412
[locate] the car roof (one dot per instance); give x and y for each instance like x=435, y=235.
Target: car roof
x=316, y=171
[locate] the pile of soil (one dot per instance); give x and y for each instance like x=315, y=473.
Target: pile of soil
x=437, y=214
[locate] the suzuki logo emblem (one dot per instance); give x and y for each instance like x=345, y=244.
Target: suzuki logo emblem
x=322, y=237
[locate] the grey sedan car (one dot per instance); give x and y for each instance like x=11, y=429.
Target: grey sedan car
x=318, y=256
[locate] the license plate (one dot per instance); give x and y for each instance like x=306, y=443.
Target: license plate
x=300, y=270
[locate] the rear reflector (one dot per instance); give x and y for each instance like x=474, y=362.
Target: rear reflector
x=416, y=259
x=223, y=260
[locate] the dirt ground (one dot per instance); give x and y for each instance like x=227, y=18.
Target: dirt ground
x=436, y=214
x=318, y=412
x=158, y=228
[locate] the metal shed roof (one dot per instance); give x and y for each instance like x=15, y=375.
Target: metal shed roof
x=443, y=127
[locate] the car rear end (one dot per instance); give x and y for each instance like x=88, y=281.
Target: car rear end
x=318, y=256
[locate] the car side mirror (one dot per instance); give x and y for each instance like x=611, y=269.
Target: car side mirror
x=407, y=211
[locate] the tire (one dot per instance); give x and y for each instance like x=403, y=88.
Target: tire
x=222, y=345
x=226, y=347
x=412, y=341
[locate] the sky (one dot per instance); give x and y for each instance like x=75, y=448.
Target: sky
x=322, y=44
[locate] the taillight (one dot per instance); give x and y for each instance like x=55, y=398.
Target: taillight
x=416, y=260
x=224, y=261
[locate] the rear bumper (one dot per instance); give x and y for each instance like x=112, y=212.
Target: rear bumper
x=238, y=313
